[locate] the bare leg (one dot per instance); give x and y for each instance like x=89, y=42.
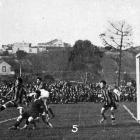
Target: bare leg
x=112, y=116
x=103, y=110
x=45, y=120
x=17, y=123
x=7, y=104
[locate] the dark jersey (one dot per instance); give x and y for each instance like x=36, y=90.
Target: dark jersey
x=37, y=107
x=19, y=93
x=108, y=96
x=39, y=86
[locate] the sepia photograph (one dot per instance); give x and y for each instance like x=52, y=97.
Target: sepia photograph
x=69, y=70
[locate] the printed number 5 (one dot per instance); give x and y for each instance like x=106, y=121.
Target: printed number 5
x=74, y=128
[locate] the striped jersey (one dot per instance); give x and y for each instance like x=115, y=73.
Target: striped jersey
x=107, y=95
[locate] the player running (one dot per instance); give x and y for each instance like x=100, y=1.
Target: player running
x=109, y=102
x=19, y=93
x=36, y=109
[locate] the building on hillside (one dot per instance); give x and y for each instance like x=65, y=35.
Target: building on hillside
x=8, y=46
x=21, y=46
x=34, y=49
x=9, y=50
x=5, y=68
x=41, y=48
x=54, y=43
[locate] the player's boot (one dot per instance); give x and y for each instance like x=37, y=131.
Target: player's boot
x=103, y=120
x=24, y=127
x=33, y=127
x=51, y=112
x=13, y=128
x=37, y=119
x=50, y=125
x=113, y=122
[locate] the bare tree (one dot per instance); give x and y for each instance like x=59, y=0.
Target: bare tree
x=118, y=35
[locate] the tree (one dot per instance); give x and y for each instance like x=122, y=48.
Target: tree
x=5, y=53
x=85, y=57
x=20, y=56
x=118, y=35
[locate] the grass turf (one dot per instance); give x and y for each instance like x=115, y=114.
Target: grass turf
x=85, y=115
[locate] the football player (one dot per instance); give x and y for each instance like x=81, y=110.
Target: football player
x=108, y=102
x=31, y=114
x=18, y=93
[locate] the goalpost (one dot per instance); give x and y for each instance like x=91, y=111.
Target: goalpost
x=138, y=85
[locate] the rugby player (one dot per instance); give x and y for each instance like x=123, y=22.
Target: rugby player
x=19, y=93
x=109, y=102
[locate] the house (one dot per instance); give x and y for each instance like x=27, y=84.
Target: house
x=21, y=46
x=41, y=48
x=5, y=68
x=7, y=48
x=34, y=49
x=53, y=43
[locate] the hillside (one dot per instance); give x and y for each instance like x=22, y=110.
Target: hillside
x=56, y=63
x=110, y=66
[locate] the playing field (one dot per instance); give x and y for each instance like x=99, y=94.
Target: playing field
x=85, y=115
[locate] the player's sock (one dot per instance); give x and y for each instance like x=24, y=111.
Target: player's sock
x=34, y=124
x=50, y=110
x=20, y=110
x=17, y=124
x=113, y=119
x=103, y=118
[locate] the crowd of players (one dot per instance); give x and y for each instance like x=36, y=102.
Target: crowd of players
x=71, y=92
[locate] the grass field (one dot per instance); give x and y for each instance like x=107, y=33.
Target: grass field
x=85, y=115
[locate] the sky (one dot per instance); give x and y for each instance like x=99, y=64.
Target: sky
x=37, y=21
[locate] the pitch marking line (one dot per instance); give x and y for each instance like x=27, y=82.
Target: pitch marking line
x=8, y=120
x=131, y=114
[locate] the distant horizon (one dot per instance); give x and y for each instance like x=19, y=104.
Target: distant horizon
x=33, y=43
x=39, y=21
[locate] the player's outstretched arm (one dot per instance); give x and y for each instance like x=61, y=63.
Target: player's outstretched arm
x=9, y=92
